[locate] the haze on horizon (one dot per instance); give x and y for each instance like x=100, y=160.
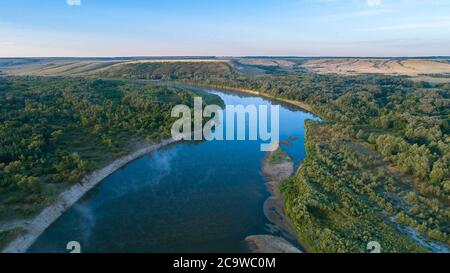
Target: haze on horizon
x=101, y=28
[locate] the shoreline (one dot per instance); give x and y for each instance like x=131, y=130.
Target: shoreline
x=302, y=105
x=274, y=205
x=34, y=227
x=282, y=237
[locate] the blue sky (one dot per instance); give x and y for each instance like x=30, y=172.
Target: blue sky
x=224, y=27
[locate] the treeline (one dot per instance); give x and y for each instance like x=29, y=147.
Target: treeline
x=168, y=70
x=405, y=122
x=53, y=131
x=346, y=196
x=416, y=113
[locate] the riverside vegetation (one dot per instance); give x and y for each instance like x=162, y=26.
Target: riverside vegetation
x=377, y=169
x=378, y=164
x=54, y=131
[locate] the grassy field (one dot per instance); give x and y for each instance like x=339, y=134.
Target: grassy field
x=377, y=170
x=355, y=66
x=81, y=67
x=419, y=69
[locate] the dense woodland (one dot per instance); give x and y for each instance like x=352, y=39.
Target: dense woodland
x=168, y=71
x=413, y=117
x=346, y=195
x=403, y=124
x=376, y=167
x=53, y=131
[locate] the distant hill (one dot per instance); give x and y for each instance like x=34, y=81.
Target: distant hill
x=431, y=69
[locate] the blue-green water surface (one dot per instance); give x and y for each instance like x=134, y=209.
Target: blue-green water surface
x=188, y=197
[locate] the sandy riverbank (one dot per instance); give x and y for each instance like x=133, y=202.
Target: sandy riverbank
x=275, y=173
x=270, y=244
x=36, y=226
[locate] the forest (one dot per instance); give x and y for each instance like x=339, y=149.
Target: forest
x=377, y=167
x=413, y=113
x=384, y=163
x=54, y=131
x=346, y=195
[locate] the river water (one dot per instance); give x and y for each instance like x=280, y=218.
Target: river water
x=189, y=197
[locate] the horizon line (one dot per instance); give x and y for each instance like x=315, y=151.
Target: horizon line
x=216, y=57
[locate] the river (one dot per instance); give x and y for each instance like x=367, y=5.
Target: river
x=189, y=197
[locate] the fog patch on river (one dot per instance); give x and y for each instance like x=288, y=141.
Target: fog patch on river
x=155, y=170
x=157, y=166
x=87, y=220
x=189, y=197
